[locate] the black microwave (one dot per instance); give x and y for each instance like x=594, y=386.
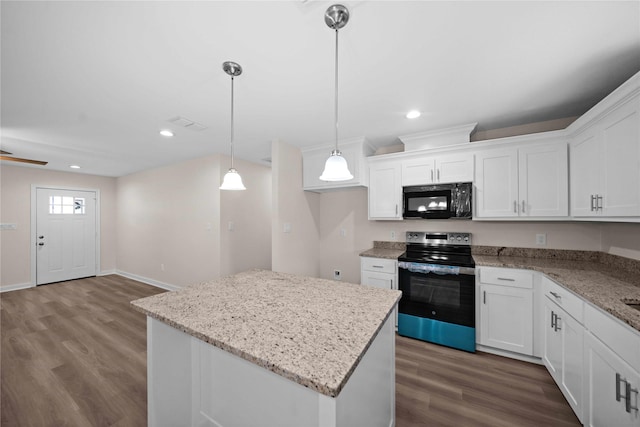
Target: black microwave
x=439, y=201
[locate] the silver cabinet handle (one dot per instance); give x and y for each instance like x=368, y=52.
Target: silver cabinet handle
x=515, y=207
x=598, y=202
x=438, y=174
x=432, y=175
x=506, y=279
x=523, y=206
x=396, y=209
x=618, y=381
x=593, y=203
x=553, y=320
x=627, y=398
x=377, y=266
x=555, y=295
x=557, y=325
x=484, y=297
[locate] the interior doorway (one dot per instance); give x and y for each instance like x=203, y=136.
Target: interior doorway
x=64, y=234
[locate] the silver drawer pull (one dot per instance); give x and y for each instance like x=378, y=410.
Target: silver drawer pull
x=506, y=279
x=627, y=397
x=555, y=295
x=378, y=266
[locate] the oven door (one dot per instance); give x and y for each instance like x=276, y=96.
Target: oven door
x=447, y=296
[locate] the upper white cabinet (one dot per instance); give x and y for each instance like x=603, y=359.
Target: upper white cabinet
x=435, y=170
x=385, y=190
x=527, y=181
x=354, y=151
x=605, y=163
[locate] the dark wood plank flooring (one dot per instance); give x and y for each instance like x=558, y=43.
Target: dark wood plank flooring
x=74, y=354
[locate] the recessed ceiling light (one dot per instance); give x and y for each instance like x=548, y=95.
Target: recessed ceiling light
x=74, y=167
x=413, y=114
x=166, y=132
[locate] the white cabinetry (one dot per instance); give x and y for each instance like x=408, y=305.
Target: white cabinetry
x=385, y=190
x=438, y=170
x=313, y=159
x=506, y=309
x=605, y=164
x=563, y=342
x=380, y=273
x=529, y=181
x=612, y=363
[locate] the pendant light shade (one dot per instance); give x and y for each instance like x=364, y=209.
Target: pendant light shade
x=232, y=179
x=336, y=168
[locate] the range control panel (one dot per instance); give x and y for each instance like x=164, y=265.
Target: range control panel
x=422, y=237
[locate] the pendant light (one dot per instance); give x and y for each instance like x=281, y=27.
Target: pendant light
x=336, y=168
x=232, y=179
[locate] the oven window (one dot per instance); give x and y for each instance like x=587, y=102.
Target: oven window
x=439, y=292
x=428, y=203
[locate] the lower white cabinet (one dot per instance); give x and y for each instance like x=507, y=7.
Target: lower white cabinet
x=379, y=273
x=563, y=353
x=611, y=370
x=506, y=309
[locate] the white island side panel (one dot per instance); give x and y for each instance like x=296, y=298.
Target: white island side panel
x=194, y=383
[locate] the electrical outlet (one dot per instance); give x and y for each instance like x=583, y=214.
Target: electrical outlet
x=231, y=226
x=343, y=232
x=393, y=234
x=286, y=228
x=541, y=239
x=162, y=267
x=336, y=275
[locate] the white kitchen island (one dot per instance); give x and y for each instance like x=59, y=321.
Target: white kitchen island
x=271, y=349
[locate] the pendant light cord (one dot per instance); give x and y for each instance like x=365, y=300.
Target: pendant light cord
x=231, y=122
x=336, y=94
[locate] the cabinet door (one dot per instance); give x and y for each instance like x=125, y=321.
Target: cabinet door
x=585, y=173
x=620, y=158
x=454, y=168
x=543, y=173
x=418, y=172
x=506, y=318
x=572, y=362
x=552, y=341
x=377, y=280
x=605, y=387
x=497, y=183
x=385, y=191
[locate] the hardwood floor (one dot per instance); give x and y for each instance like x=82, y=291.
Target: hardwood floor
x=74, y=354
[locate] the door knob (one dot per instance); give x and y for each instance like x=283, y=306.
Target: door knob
x=40, y=244
x=40, y=237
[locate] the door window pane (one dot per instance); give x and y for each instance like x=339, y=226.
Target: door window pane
x=65, y=205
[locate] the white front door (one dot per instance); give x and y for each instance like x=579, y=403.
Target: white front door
x=65, y=235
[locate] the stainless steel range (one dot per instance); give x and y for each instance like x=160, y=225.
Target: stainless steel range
x=437, y=278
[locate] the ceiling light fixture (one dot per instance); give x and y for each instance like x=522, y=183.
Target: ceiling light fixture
x=336, y=168
x=74, y=167
x=232, y=179
x=413, y=114
x=166, y=132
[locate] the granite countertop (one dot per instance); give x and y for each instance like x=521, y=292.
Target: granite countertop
x=599, y=281
x=388, y=250
x=311, y=331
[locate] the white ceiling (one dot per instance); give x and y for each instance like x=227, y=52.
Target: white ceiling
x=92, y=83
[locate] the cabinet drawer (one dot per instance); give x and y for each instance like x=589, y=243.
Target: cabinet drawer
x=619, y=337
x=567, y=300
x=507, y=277
x=381, y=265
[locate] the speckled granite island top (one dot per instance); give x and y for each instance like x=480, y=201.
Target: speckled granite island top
x=311, y=331
x=593, y=276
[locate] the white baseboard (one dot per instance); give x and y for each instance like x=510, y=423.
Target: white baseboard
x=107, y=272
x=148, y=281
x=17, y=287
x=509, y=354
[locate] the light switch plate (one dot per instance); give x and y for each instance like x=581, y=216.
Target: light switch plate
x=8, y=226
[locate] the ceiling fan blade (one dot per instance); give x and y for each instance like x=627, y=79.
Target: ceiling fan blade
x=18, y=159
x=4, y=152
